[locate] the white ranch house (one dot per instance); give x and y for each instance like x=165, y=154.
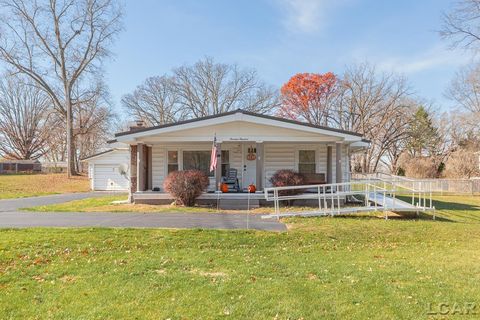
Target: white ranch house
x=253, y=144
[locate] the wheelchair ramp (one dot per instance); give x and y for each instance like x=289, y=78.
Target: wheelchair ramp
x=378, y=195
x=378, y=202
x=390, y=203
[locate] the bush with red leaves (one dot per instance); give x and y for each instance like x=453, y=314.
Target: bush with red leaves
x=186, y=186
x=286, y=178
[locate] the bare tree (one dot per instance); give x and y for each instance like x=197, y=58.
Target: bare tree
x=462, y=163
x=58, y=43
x=207, y=88
x=93, y=117
x=56, y=148
x=24, y=112
x=375, y=105
x=420, y=167
x=462, y=24
x=465, y=89
x=155, y=101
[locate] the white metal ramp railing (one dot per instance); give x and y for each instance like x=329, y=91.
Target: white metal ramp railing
x=371, y=195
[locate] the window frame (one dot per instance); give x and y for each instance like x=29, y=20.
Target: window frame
x=299, y=162
x=207, y=152
x=168, y=160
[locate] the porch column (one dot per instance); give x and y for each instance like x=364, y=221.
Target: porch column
x=259, y=165
x=338, y=162
x=349, y=164
x=149, y=168
x=218, y=169
x=133, y=172
x=141, y=167
x=329, y=164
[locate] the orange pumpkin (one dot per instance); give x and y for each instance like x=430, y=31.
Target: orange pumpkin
x=252, y=188
x=224, y=187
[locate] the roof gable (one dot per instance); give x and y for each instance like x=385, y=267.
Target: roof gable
x=236, y=117
x=105, y=153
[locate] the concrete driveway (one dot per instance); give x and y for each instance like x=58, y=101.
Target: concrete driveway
x=12, y=217
x=138, y=220
x=15, y=204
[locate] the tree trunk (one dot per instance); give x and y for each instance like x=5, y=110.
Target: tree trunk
x=364, y=163
x=71, y=170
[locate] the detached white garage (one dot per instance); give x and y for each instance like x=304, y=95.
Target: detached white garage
x=109, y=170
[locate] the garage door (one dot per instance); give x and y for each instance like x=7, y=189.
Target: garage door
x=108, y=177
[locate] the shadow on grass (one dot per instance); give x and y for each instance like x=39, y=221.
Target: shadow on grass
x=450, y=210
x=421, y=216
x=398, y=216
x=460, y=212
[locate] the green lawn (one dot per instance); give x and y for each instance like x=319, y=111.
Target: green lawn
x=31, y=185
x=349, y=268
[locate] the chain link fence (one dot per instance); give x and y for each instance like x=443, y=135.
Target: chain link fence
x=442, y=186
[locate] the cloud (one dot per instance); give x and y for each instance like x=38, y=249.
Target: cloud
x=304, y=16
x=435, y=57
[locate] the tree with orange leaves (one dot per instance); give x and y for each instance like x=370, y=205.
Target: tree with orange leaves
x=307, y=97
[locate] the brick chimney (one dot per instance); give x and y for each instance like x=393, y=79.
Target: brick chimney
x=136, y=125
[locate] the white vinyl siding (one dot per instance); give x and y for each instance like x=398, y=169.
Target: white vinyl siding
x=159, y=166
x=285, y=156
x=322, y=159
x=278, y=156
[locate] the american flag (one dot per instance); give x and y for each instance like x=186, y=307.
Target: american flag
x=213, y=157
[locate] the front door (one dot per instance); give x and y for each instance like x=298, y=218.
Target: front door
x=249, y=165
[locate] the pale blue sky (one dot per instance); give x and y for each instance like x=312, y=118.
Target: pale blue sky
x=282, y=37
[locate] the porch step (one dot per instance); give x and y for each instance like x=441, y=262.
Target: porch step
x=238, y=204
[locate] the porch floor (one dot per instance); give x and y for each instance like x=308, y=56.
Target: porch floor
x=205, y=196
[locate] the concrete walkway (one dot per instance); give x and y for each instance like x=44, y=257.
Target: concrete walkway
x=12, y=217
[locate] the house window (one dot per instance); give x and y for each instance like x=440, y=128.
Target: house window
x=225, y=162
x=172, y=161
x=306, y=161
x=197, y=160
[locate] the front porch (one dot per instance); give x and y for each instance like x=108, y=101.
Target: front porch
x=254, y=163
x=253, y=146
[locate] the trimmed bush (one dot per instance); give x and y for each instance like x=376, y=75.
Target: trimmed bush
x=186, y=186
x=286, y=178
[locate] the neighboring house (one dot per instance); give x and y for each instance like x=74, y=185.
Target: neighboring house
x=109, y=170
x=54, y=166
x=16, y=166
x=253, y=144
